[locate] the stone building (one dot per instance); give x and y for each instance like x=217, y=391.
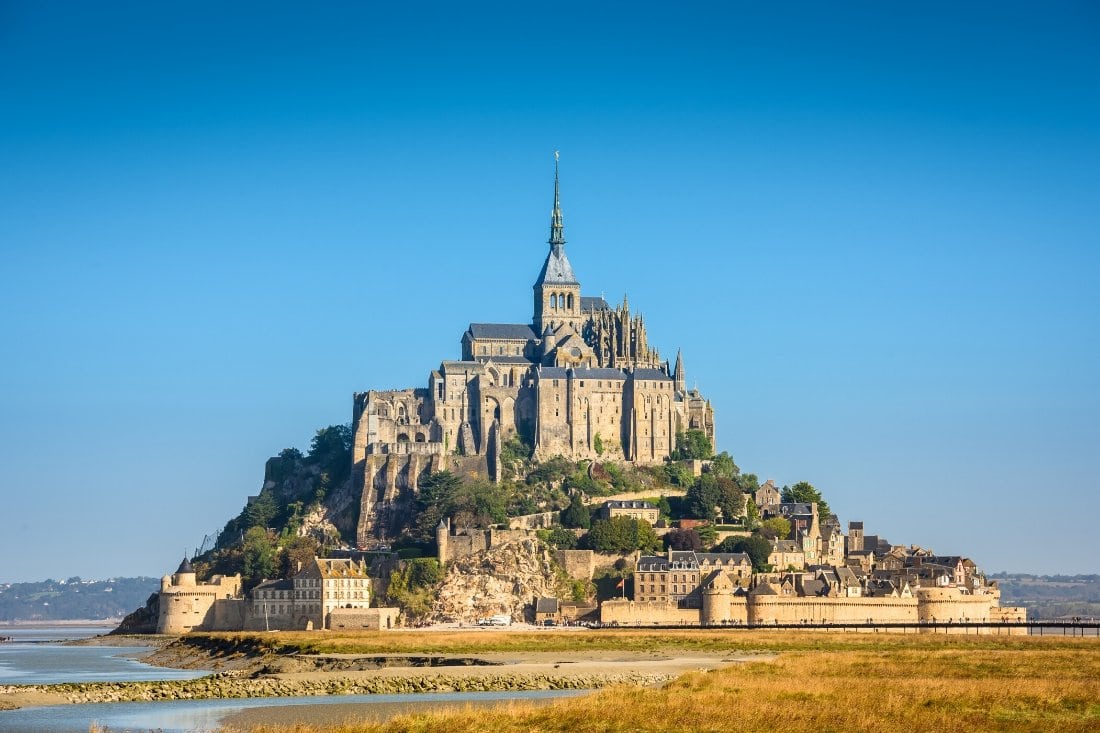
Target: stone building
x=633, y=508
x=324, y=593
x=306, y=600
x=580, y=380
x=187, y=605
x=679, y=576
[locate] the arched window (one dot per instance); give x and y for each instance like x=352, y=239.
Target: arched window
x=553, y=301
x=570, y=301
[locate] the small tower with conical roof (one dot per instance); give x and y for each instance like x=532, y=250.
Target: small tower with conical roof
x=557, y=292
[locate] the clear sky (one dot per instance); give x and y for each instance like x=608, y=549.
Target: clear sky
x=872, y=229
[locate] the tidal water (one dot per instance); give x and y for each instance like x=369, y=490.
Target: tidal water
x=37, y=655
x=200, y=716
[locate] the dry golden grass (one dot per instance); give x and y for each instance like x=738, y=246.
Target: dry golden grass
x=820, y=682
x=606, y=640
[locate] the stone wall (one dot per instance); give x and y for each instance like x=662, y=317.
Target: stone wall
x=795, y=610
x=363, y=618
x=943, y=604
x=542, y=520
x=646, y=613
x=578, y=564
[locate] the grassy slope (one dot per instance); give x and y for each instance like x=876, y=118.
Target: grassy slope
x=820, y=682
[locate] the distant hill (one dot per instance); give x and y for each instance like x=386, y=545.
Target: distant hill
x=1051, y=596
x=74, y=598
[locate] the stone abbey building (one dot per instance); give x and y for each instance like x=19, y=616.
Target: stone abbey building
x=580, y=380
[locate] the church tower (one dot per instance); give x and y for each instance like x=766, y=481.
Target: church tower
x=557, y=292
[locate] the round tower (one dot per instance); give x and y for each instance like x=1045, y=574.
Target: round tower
x=185, y=574
x=716, y=606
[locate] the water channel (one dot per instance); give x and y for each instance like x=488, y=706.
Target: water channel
x=38, y=655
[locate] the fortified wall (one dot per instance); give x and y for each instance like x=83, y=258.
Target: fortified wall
x=940, y=605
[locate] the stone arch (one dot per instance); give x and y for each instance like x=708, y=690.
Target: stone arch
x=570, y=299
x=492, y=407
x=402, y=437
x=382, y=411
x=553, y=300
x=420, y=437
x=494, y=376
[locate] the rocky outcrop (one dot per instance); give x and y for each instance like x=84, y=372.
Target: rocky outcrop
x=506, y=578
x=143, y=620
x=231, y=685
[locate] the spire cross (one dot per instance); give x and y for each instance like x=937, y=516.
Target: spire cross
x=557, y=233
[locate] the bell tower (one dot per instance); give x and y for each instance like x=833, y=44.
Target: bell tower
x=557, y=292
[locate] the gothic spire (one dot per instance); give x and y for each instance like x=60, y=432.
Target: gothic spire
x=557, y=232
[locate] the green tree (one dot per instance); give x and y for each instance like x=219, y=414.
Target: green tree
x=296, y=552
x=597, y=444
x=424, y=572
x=558, y=537
x=576, y=515
x=804, y=492
x=621, y=535
x=694, y=444
x=703, y=497
x=486, y=502
x=708, y=533
x=258, y=561
x=778, y=527
x=752, y=514
x=724, y=466
x=261, y=511
x=757, y=548
x=678, y=474
x=711, y=494
x=664, y=507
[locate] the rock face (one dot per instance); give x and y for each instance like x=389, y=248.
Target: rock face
x=505, y=579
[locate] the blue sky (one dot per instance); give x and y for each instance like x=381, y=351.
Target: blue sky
x=872, y=228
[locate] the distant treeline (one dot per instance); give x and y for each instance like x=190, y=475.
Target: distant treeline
x=74, y=598
x=1051, y=596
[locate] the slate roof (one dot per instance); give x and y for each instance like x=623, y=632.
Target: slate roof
x=504, y=359
x=599, y=373
x=589, y=303
x=727, y=558
x=628, y=504
x=553, y=373
x=646, y=373
x=557, y=270
x=652, y=563
x=185, y=566
x=814, y=588
x=506, y=331
x=546, y=605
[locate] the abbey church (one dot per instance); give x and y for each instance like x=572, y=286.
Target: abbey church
x=580, y=381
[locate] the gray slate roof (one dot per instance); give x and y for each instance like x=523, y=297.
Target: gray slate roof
x=513, y=331
x=590, y=303
x=504, y=359
x=557, y=270
x=651, y=374
x=628, y=504
x=546, y=605
x=599, y=374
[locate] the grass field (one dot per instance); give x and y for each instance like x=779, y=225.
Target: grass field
x=819, y=682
